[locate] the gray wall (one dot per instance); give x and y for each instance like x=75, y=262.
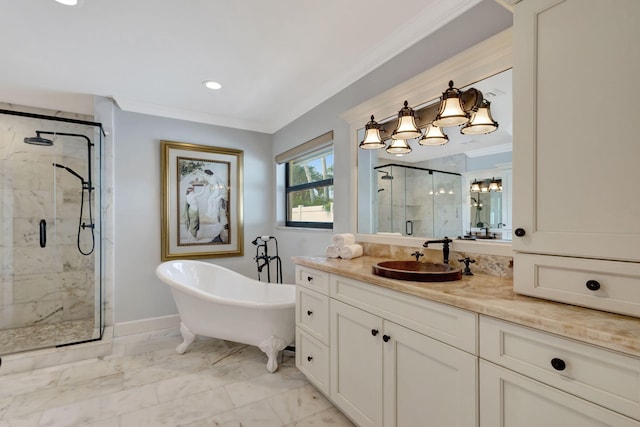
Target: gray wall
x=138, y=294
x=479, y=23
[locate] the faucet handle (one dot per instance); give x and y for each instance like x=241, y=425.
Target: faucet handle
x=417, y=255
x=467, y=261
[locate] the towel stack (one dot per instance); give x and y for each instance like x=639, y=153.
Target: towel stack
x=344, y=246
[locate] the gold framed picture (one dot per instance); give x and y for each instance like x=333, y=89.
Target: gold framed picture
x=201, y=201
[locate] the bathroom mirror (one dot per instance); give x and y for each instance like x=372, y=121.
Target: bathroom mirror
x=426, y=193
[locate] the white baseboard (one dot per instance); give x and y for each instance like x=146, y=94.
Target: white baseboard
x=146, y=325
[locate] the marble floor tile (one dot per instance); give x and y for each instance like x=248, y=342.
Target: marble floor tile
x=146, y=383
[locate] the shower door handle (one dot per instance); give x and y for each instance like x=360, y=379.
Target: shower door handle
x=408, y=227
x=43, y=233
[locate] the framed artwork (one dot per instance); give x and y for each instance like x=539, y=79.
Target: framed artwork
x=201, y=201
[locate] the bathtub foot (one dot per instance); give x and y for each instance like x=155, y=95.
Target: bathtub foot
x=271, y=347
x=187, y=337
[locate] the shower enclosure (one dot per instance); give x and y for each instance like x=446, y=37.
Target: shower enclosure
x=415, y=201
x=50, y=252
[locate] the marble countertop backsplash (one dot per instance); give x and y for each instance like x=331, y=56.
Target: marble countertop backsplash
x=492, y=295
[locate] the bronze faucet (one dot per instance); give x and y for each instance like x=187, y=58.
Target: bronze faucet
x=445, y=247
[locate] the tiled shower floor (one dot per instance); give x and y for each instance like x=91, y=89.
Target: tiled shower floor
x=145, y=383
x=47, y=335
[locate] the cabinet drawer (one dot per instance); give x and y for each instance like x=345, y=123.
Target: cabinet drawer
x=508, y=399
x=444, y=323
x=603, y=285
x=601, y=376
x=312, y=313
x=312, y=359
x=313, y=279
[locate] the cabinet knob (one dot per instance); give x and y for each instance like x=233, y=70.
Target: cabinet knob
x=309, y=358
x=519, y=232
x=374, y=332
x=309, y=278
x=309, y=312
x=593, y=285
x=558, y=364
x=386, y=338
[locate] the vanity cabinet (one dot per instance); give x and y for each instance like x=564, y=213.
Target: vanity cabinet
x=394, y=359
x=530, y=378
x=312, y=326
x=575, y=153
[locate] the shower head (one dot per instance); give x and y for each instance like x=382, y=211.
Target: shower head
x=38, y=140
x=386, y=175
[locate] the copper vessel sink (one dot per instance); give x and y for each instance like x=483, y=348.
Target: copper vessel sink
x=417, y=271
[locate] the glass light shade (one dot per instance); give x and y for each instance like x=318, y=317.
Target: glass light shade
x=399, y=147
x=451, y=111
x=475, y=187
x=372, y=139
x=433, y=135
x=481, y=121
x=406, y=128
x=494, y=185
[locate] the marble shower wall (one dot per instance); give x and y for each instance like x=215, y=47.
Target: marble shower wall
x=40, y=286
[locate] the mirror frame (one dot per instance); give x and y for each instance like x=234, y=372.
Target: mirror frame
x=479, y=62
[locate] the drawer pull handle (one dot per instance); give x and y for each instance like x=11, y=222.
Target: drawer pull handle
x=558, y=364
x=593, y=285
x=374, y=332
x=520, y=232
x=309, y=279
x=309, y=358
x=386, y=338
x=309, y=312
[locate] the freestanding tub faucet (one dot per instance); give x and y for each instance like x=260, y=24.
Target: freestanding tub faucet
x=445, y=247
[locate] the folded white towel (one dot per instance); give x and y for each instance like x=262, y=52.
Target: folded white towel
x=333, y=251
x=343, y=239
x=350, y=251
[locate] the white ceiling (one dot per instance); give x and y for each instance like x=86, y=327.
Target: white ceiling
x=275, y=59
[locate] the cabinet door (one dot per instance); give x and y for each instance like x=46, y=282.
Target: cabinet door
x=356, y=363
x=575, y=148
x=508, y=399
x=427, y=382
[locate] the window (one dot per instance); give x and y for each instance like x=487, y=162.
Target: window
x=309, y=189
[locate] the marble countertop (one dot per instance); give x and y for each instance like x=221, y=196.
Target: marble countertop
x=494, y=296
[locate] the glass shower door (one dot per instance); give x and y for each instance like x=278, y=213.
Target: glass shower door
x=50, y=287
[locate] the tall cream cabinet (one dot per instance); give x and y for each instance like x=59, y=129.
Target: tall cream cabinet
x=576, y=152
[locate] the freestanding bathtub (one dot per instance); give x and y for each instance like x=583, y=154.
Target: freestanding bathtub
x=219, y=303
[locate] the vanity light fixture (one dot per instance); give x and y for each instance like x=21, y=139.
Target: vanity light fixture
x=372, y=139
x=433, y=135
x=399, y=147
x=494, y=185
x=481, y=121
x=451, y=112
x=407, y=128
x=486, y=185
x=455, y=108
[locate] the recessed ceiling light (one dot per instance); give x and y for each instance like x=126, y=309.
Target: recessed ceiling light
x=210, y=84
x=68, y=2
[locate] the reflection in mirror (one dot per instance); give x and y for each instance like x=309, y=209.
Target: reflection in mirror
x=417, y=201
x=426, y=193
